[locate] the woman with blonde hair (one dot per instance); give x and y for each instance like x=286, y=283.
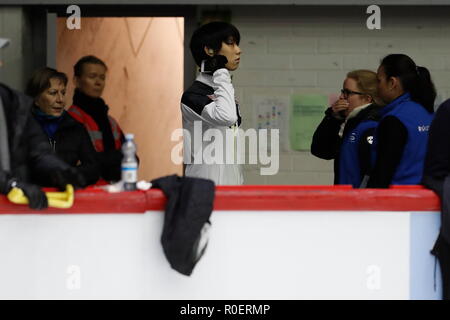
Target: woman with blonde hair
x=346, y=132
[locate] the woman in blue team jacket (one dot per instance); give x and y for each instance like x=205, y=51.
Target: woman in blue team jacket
x=400, y=141
x=345, y=133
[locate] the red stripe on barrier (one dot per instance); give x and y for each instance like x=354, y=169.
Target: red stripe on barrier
x=91, y=200
x=322, y=198
x=258, y=198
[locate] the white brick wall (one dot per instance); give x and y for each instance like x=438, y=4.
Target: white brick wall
x=317, y=62
x=290, y=45
x=300, y=49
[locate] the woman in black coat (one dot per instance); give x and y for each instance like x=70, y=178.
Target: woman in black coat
x=68, y=138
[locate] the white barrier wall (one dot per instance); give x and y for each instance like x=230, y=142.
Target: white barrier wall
x=251, y=255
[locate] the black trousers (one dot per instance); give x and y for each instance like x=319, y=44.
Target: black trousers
x=441, y=250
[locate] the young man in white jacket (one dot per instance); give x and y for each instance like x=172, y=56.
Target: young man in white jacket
x=210, y=113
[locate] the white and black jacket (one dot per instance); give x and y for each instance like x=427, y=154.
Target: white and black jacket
x=210, y=112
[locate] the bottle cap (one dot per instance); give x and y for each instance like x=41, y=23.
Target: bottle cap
x=129, y=136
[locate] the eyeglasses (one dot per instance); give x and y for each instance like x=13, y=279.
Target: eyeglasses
x=347, y=92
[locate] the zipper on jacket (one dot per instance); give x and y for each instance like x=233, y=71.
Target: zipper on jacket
x=52, y=144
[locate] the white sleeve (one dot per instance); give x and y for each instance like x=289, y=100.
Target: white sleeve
x=222, y=111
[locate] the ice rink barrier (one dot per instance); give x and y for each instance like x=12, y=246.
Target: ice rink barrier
x=266, y=242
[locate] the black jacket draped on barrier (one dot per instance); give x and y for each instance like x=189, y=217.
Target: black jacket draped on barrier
x=189, y=206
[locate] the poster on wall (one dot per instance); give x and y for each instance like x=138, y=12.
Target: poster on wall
x=306, y=113
x=271, y=113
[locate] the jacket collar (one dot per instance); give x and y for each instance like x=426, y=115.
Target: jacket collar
x=95, y=107
x=393, y=104
x=356, y=111
x=205, y=78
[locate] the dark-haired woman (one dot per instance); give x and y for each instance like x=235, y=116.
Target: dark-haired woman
x=68, y=138
x=400, y=140
x=91, y=110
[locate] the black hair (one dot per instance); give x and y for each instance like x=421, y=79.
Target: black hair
x=212, y=35
x=414, y=79
x=40, y=81
x=78, y=67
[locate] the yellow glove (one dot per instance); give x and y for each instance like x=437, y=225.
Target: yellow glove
x=62, y=200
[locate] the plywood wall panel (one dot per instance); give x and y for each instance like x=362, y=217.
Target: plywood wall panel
x=144, y=80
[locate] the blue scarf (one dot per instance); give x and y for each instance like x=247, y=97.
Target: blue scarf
x=49, y=123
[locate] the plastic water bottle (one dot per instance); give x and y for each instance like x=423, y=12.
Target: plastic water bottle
x=129, y=163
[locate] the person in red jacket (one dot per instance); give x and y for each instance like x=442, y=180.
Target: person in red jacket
x=91, y=110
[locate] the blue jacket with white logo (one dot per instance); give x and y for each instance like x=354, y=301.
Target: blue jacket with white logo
x=416, y=120
x=352, y=152
x=350, y=171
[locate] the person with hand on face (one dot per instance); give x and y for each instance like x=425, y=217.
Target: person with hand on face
x=210, y=104
x=400, y=141
x=67, y=137
x=346, y=132
x=90, y=109
x=24, y=149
